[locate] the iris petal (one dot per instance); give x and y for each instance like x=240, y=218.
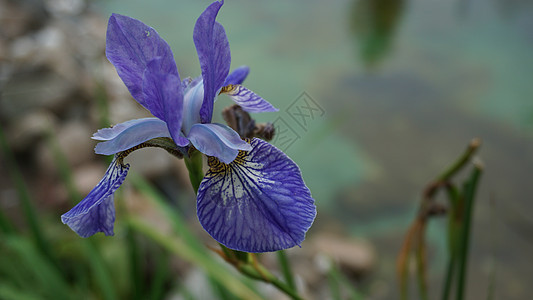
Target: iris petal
x=129, y=134
x=248, y=100
x=257, y=203
x=163, y=91
x=217, y=140
x=214, y=55
x=237, y=76
x=192, y=102
x=96, y=213
x=130, y=46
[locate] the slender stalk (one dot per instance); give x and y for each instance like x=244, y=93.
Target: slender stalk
x=461, y=161
x=454, y=230
x=470, y=190
x=194, y=165
x=420, y=255
x=450, y=269
x=259, y=272
x=286, y=269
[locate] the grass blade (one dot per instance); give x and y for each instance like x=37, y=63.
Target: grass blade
x=470, y=190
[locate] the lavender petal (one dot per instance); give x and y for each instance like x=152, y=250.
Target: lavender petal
x=217, y=140
x=129, y=134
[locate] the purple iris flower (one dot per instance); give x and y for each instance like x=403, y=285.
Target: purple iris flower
x=253, y=197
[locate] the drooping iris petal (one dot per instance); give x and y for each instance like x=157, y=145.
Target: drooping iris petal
x=163, y=91
x=214, y=55
x=130, y=134
x=237, y=76
x=248, y=100
x=105, y=134
x=257, y=203
x=217, y=140
x=192, y=102
x=96, y=213
x=130, y=46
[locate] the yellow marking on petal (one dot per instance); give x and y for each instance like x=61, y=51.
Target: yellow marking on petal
x=229, y=89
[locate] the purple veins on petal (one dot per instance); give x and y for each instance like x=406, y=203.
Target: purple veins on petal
x=217, y=140
x=214, y=55
x=248, y=100
x=96, y=212
x=257, y=203
x=237, y=76
x=130, y=46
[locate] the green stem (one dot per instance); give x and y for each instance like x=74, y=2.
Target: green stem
x=259, y=272
x=461, y=161
x=286, y=269
x=470, y=190
x=254, y=270
x=454, y=230
x=194, y=165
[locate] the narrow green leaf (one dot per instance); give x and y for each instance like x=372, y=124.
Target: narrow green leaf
x=47, y=277
x=469, y=194
x=25, y=199
x=286, y=269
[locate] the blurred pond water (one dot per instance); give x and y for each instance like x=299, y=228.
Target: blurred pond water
x=376, y=98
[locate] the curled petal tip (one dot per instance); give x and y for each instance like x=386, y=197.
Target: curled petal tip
x=248, y=100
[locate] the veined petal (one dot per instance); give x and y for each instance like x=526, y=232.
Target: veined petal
x=248, y=100
x=162, y=92
x=96, y=213
x=257, y=203
x=130, y=46
x=237, y=76
x=214, y=55
x=130, y=134
x=217, y=140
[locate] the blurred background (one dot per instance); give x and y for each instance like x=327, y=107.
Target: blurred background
x=376, y=98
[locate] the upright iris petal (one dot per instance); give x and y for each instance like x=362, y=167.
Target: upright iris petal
x=237, y=76
x=130, y=46
x=257, y=203
x=214, y=55
x=96, y=213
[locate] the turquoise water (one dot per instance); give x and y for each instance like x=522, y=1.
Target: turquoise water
x=402, y=86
